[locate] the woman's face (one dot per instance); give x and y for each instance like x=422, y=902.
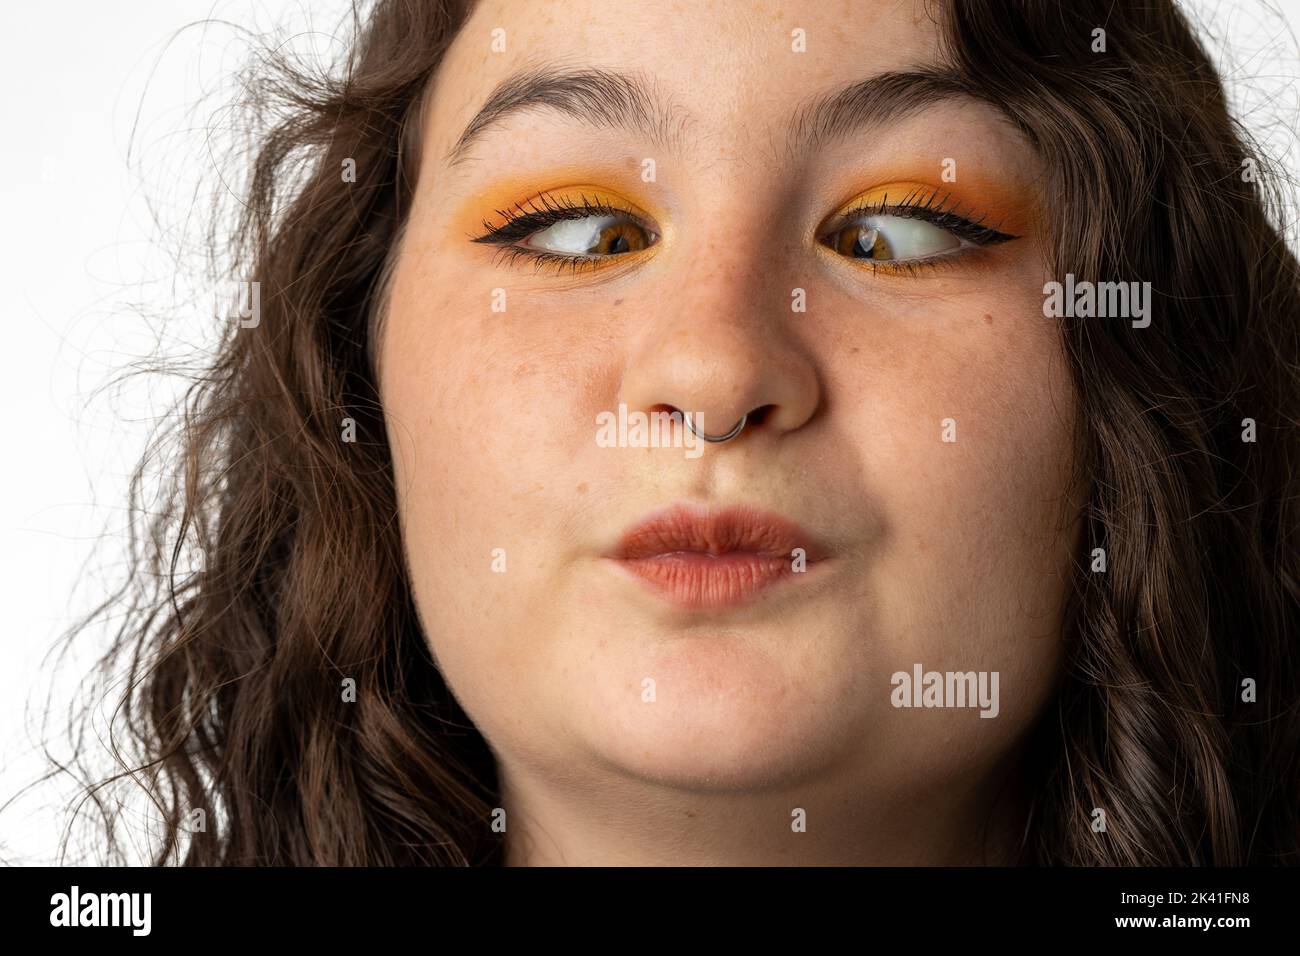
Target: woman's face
x=910, y=420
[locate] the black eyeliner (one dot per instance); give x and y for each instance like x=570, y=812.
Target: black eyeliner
x=972, y=230
x=522, y=224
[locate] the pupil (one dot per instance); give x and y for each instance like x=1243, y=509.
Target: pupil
x=865, y=243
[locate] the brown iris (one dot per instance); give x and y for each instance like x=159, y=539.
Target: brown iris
x=861, y=242
x=619, y=237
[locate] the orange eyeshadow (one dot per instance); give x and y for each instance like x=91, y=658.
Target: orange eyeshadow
x=1001, y=206
x=506, y=194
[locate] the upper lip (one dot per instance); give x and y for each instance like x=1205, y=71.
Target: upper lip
x=743, y=529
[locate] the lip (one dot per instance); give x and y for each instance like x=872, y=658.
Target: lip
x=709, y=558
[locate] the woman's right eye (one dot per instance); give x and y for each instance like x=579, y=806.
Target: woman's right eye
x=596, y=235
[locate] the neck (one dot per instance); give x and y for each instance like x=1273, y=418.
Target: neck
x=622, y=821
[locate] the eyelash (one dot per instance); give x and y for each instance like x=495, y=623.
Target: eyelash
x=522, y=224
x=916, y=205
x=928, y=207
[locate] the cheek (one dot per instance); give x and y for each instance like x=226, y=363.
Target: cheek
x=448, y=421
x=462, y=403
x=471, y=399
x=966, y=423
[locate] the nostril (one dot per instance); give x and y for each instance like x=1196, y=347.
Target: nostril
x=662, y=408
x=760, y=414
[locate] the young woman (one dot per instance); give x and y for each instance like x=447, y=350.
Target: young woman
x=737, y=433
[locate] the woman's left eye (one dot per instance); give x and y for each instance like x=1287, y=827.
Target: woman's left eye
x=891, y=239
x=591, y=236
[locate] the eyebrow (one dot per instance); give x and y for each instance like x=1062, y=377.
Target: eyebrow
x=625, y=101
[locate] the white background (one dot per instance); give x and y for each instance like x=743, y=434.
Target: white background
x=110, y=120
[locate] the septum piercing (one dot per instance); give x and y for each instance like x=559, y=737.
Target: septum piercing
x=710, y=438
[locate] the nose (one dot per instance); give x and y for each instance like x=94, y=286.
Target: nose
x=721, y=348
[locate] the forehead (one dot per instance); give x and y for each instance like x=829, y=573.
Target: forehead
x=726, y=73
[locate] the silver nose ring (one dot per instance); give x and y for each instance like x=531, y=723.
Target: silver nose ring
x=727, y=437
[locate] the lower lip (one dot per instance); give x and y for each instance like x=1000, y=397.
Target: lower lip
x=694, y=579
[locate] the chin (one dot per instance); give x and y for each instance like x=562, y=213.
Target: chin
x=744, y=737
x=684, y=763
